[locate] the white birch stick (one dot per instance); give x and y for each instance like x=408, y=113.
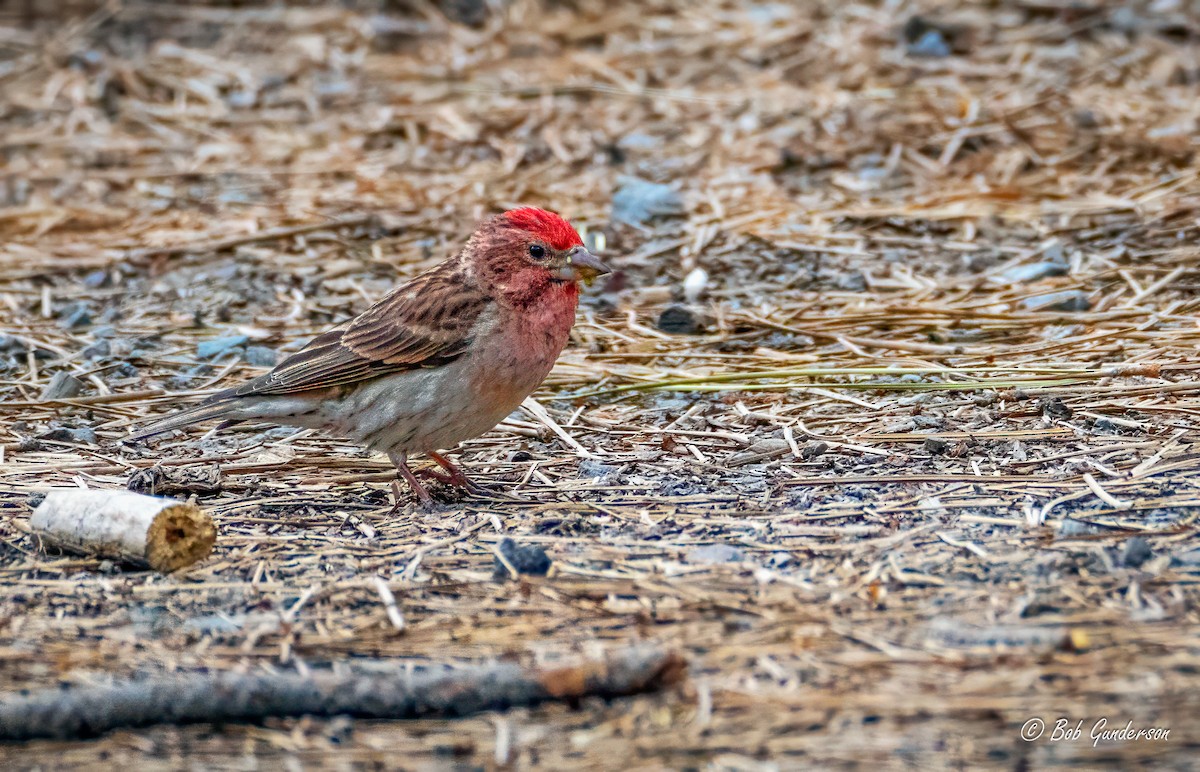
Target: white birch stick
x=163, y=534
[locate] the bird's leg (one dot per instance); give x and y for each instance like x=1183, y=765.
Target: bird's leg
x=454, y=475
x=401, y=462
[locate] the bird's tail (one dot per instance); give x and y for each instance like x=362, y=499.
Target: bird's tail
x=205, y=411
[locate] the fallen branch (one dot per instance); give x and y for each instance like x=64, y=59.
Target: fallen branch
x=164, y=534
x=230, y=697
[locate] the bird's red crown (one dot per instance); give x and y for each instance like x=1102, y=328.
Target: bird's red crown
x=557, y=232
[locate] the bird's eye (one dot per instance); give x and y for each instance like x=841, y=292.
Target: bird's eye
x=537, y=251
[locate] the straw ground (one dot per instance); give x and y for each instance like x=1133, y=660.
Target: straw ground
x=914, y=465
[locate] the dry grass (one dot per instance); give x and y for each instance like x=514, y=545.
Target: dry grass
x=945, y=507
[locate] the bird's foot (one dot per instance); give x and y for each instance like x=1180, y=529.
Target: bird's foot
x=468, y=486
x=453, y=475
x=401, y=462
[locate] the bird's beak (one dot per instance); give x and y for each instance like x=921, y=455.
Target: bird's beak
x=582, y=266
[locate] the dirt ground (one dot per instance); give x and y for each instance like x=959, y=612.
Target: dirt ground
x=910, y=462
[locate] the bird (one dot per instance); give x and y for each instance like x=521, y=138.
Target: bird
x=440, y=359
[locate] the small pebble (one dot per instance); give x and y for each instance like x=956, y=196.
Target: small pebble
x=1056, y=253
x=1135, y=552
x=63, y=385
x=711, y=554
x=590, y=468
x=185, y=380
x=638, y=141
x=260, y=356
x=931, y=44
x=787, y=340
x=97, y=350
x=9, y=344
x=1072, y=527
x=935, y=446
x=84, y=434
x=1056, y=408
x=241, y=99
x=1067, y=300
x=813, y=450
x=930, y=38
x=1189, y=559
x=679, y=320
x=638, y=201
x=1019, y=274
x=217, y=346
x=853, y=281
x=75, y=315
x=694, y=284
x=215, y=624
x=95, y=279
x=528, y=559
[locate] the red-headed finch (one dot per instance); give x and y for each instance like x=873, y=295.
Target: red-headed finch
x=438, y=360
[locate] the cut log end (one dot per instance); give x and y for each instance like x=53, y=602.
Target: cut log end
x=180, y=535
x=163, y=534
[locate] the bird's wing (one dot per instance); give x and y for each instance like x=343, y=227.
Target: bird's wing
x=425, y=323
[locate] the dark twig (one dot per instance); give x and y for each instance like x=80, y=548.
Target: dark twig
x=227, y=697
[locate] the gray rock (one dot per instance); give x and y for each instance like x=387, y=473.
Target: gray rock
x=638, y=201
x=711, y=554
x=936, y=446
x=590, y=468
x=636, y=140
x=83, y=434
x=9, y=344
x=931, y=44
x=63, y=385
x=260, y=356
x=1135, y=552
x=217, y=346
x=853, y=281
x=1067, y=300
x=95, y=279
x=1072, y=527
x=1189, y=559
x=215, y=624
x=680, y=320
x=97, y=350
x=527, y=559
x=1019, y=274
x=184, y=380
x=75, y=315
x=241, y=99
x=929, y=37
